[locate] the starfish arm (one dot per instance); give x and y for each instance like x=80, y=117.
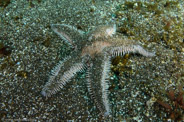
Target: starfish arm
x=121, y=50
x=92, y=90
x=104, y=31
x=68, y=33
x=100, y=74
x=142, y=51
x=62, y=74
x=105, y=75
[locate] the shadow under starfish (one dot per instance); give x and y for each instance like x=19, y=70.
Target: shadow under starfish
x=91, y=52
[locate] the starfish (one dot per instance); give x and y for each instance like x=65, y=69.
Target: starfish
x=92, y=52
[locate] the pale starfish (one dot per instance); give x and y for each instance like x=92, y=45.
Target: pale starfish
x=92, y=51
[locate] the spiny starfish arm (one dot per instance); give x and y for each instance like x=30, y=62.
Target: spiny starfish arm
x=91, y=90
x=104, y=31
x=68, y=33
x=142, y=51
x=100, y=74
x=61, y=75
x=121, y=50
x=105, y=75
